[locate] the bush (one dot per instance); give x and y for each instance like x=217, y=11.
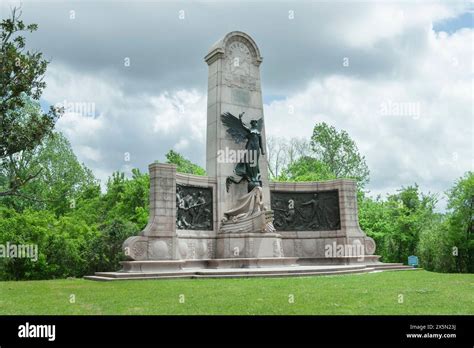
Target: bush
x=106, y=250
x=62, y=245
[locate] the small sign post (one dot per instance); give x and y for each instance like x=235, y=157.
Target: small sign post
x=413, y=261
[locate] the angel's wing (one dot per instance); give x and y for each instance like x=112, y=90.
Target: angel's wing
x=260, y=124
x=234, y=127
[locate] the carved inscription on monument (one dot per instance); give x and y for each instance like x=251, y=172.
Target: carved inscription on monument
x=239, y=58
x=237, y=69
x=306, y=211
x=194, y=208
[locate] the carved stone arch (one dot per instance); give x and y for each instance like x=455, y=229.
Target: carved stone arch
x=218, y=50
x=238, y=36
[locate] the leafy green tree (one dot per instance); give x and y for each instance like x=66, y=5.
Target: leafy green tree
x=461, y=222
x=183, y=165
x=375, y=220
x=339, y=153
x=60, y=180
x=63, y=245
x=127, y=198
x=410, y=211
x=435, y=248
x=79, y=238
x=106, y=251
x=448, y=244
x=23, y=125
x=89, y=205
x=306, y=169
x=398, y=223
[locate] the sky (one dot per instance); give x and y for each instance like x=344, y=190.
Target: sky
x=397, y=76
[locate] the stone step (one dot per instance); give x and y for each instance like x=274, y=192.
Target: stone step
x=397, y=269
x=231, y=271
x=142, y=277
x=94, y=277
x=166, y=274
x=387, y=264
x=288, y=271
x=202, y=275
x=283, y=274
x=394, y=266
x=292, y=270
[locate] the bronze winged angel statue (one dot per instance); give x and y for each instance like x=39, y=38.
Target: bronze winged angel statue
x=248, y=168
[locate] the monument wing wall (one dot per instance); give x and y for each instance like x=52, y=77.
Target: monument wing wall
x=312, y=215
x=183, y=223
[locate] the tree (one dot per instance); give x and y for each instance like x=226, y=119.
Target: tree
x=410, y=213
x=63, y=245
x=282, y=153
x=306, y=169
x=329, y=155
x=23, y=125
x=399, y=222
x=375, y=219
x=183, y=165
x=340, y=153
x=447, y=245
x=461, y=222
x=435, y=248
x=127, y=198
x=60, y=180
x=276, y=155
x=106, y=251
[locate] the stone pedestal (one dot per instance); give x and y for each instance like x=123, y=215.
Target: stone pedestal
x=249, y=245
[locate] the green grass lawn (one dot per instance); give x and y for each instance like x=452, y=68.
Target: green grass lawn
x=374, y=293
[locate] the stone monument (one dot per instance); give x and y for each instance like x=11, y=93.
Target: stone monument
x=234, y=88
x=235, y=218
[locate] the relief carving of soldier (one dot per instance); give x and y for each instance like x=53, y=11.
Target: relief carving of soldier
x=194, y=211
x=316, y=218
x=306, y=211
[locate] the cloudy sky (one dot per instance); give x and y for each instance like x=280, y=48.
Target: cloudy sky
x=396, y=76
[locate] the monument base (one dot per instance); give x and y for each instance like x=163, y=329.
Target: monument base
x=249, y=245
x=242, y=268
x=142, y=248
x=345, y=260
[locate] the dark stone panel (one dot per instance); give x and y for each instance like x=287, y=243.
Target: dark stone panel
x=306, y=211
x=194, y=210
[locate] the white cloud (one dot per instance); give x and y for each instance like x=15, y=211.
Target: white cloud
x=427, y=134
x=387, y=20
x=125, y=132
x=181, y=144
x=181, y=109
x=88, y=153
